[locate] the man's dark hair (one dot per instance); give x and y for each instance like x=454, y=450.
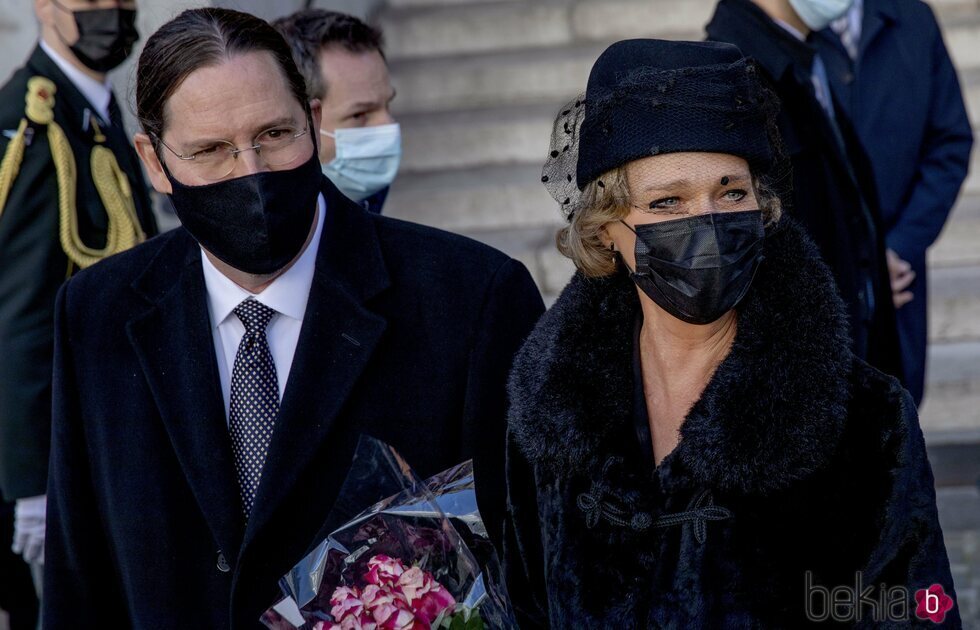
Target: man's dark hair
x=198, y=38
x=310, y=31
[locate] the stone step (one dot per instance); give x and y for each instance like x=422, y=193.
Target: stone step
x=954, y=303
x=548, y=75
x=959, y=242
x=475, y=199
x=959, y=511
x=454, y=28
x=970, y=84
x=430, y=4
x=954, y=368
x=477, y=137
x=477, y=27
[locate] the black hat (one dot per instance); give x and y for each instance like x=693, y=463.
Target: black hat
x=647, y=97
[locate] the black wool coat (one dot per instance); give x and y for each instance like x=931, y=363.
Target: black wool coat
x=833, y=188
x=797, y=458
x=408, y=336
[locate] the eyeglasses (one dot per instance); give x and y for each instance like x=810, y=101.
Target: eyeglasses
x=277, y=147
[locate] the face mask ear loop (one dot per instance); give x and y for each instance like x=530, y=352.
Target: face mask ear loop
x=623, y=260
x=57, y=31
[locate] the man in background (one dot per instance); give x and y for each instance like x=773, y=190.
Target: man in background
x=832, y=189
x=342, y=61
x=71, y=194
x=892, y=76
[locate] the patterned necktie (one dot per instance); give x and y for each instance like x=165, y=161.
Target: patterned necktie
x=254, y=399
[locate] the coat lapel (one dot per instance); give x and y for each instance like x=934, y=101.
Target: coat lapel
x=175, y=347
x=338, y=337
x=877, y=16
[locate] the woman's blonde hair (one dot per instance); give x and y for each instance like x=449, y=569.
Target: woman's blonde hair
x=606, y=200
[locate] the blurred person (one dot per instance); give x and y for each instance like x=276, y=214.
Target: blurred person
x=692, y=444
x=893, y=78
x=251, y=347
x=71, y=194
x=342, y=60
x=832, y=187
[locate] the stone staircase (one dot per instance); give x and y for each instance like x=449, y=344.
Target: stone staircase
x=479, y=82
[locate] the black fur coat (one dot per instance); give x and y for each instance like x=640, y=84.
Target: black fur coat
x=800, y=469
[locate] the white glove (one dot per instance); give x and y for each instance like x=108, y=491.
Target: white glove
x=29, y=515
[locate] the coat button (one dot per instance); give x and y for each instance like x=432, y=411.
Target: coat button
x=222, y=564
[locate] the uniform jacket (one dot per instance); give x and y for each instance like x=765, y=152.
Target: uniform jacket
x=797, y=457
x=832, y=188
x=34, y=264
x=408, y=336
x=904, y=100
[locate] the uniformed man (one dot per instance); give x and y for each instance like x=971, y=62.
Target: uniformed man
x=71, y=194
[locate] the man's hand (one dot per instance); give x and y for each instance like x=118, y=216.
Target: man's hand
x=29, y=516
x=902, y=276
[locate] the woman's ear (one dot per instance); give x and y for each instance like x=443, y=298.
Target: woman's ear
x=606, y=239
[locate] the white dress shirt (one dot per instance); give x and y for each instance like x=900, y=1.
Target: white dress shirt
x=287, y=295
x=97, y=94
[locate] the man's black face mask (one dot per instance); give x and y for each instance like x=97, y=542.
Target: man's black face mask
x=256, y=223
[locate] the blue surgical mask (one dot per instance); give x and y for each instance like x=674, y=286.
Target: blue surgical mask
x=367, y=159
x=818, y=14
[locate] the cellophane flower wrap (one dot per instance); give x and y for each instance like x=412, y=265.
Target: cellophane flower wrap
x=416, y=560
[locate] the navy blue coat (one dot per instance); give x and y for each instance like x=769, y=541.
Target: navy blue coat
x=904, y=102
x=408, y=336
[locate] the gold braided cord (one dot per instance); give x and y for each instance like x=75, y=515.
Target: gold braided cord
x=10, y=165
x=124, y=230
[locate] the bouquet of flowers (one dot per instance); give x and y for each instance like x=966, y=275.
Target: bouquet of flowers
x=416, y=560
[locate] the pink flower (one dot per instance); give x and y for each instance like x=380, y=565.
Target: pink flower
x=433, y=604
x=391, y=617
x=383, y=570
x=374, y=596
x=427, y=597
x=346, y=602
x=354, y=623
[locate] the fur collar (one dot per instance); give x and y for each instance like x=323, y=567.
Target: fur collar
x=772, y=413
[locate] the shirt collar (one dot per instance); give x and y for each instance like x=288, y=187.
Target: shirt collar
x=96, y=93
x=792, y=30
x=287, y=294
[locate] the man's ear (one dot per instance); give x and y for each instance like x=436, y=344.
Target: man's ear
x=316, y=112
x=151, y=161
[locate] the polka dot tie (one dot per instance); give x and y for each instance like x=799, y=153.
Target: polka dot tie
x=254, y=399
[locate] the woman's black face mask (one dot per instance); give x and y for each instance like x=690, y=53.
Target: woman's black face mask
x=698, y=268
x=256, y=223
